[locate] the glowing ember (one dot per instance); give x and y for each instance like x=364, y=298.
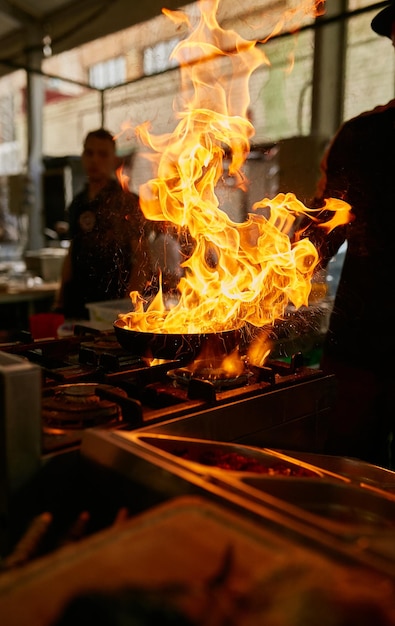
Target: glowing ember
x=236, y=273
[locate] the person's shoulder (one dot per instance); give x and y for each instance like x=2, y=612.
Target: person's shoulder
x=131, y=195
x=378, y=114
x=126, y=201
x=112, y=186
x=131, y=198
x=115, y=187
x=382, y=109
x=369, y=125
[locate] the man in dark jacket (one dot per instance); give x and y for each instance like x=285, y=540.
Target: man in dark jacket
x=108, y=255
x=359, y=167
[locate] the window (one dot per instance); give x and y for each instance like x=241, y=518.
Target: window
x=108, y=73
x=157, y=57
x=370, y=65
x=7, y=125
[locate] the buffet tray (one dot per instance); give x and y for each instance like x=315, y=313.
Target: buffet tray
x=359, y=472
x=320, y=506
x=219, y=458
x=341, y=502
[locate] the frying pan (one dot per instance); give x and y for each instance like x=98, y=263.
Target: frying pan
x=172, y=345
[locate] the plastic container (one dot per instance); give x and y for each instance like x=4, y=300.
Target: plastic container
x=108, y=311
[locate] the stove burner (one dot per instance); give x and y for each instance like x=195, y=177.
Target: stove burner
x=77, y=406
x=216, y=376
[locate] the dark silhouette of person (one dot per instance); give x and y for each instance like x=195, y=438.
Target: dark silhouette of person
x=359, y=348
x=108, y=255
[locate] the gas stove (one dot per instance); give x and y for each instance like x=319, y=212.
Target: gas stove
x=89, y=381
x=55, y=391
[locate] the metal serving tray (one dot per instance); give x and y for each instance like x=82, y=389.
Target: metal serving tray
x=343, y=507
x=359, y=472
x=284, y=503
x=219, y=458
x=363, y=517
x=319, y=496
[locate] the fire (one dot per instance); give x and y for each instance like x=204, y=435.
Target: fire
x=237, y=273
x=122, y=177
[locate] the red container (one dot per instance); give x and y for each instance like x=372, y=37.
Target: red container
x=45, y=325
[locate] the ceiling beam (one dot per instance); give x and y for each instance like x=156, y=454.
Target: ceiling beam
x=15, y=13
x=76, y=23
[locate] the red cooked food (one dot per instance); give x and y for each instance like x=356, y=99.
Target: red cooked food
x=233, y=461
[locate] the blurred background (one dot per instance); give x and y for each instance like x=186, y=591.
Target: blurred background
x=67, y=67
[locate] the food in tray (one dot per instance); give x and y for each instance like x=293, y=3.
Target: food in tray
x=237, y=462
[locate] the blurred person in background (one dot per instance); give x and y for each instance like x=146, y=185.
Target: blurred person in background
x=108, y=254
x=359, y=347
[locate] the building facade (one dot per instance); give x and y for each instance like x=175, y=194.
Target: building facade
x=128, y=78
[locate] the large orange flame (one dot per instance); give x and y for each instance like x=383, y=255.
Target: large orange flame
x=237, y=272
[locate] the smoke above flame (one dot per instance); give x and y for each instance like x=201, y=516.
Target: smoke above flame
x=236, y=273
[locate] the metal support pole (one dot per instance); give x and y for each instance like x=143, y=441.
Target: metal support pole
x=102, y=108
x=329, y=71
x=35, y=105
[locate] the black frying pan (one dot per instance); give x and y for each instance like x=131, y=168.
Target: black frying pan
x=172, y=345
